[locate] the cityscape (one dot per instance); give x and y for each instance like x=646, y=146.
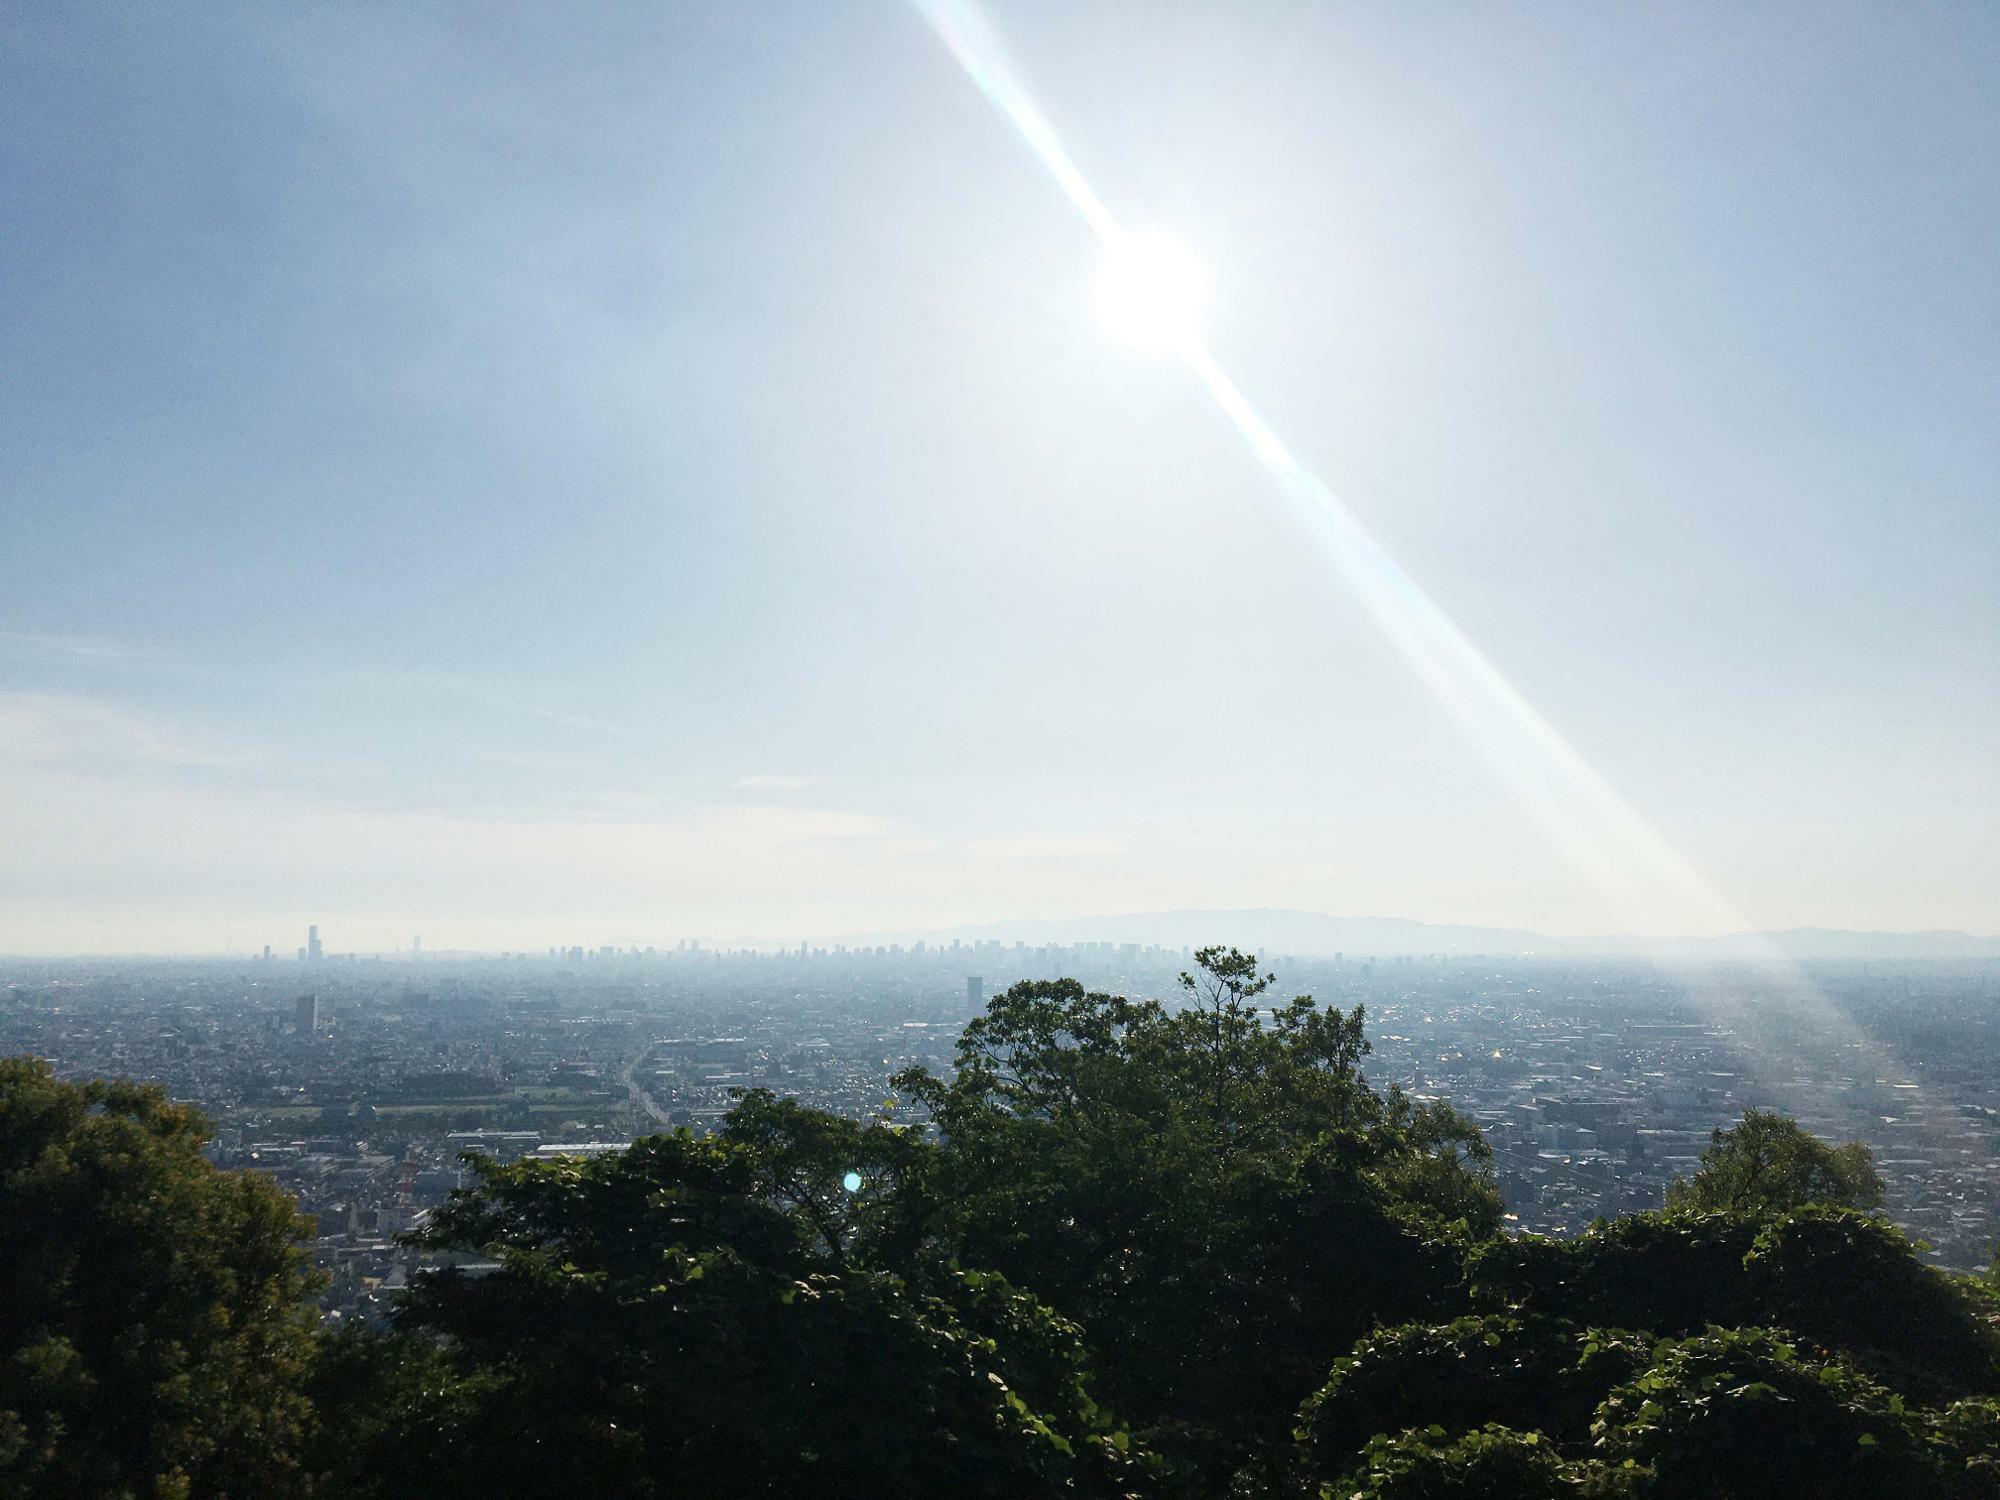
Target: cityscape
x=361, y=1084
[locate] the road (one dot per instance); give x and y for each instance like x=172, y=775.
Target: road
x=639, y=1095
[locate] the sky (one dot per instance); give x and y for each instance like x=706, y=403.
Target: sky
x=531, y=475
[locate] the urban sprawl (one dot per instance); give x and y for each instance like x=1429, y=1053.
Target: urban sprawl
x=362, y=1083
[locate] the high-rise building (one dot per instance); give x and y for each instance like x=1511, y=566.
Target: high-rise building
x=416, y=945
x=975, y=991
x=313, y=950
x=306, y=1012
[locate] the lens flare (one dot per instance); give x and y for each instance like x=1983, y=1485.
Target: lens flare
x=1643, y=882
x=1150, y=292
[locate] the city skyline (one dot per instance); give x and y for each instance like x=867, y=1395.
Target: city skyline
x=1282, y=934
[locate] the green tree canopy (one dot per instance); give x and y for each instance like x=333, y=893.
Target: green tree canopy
x=1493, y=1463
x=689, y=1316
x=1767, y=1163
x=1966, y=1435
x=154, y=1312
x=1530, y=1374
x=1213, y=1190
x=1842, y=1279
x=1743, y=1414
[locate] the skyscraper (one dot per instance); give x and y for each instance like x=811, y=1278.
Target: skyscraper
x=975, y=991
x=306, y=1009
x=313, y=951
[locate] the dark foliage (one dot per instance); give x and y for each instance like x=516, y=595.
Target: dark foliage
x=1967, y=1435
x=1534, y=1374
x=1838, y=1278
x=1740, y=1414
x=1492, y=1463
x=154, y=1318
x=686, y=1318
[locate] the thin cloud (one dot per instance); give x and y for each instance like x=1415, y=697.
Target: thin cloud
x=495, y=692
x=1046, y=846
x=75, y=733
x=44, y=645
x=774, y=783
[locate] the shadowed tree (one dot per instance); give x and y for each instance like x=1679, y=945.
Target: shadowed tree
x=1743, y=1414
x=154, y=1312
x=1213, y=1190
x=1493, y=1463
x=691, y=1317
x=1844, y=1280
x=1527, y=1374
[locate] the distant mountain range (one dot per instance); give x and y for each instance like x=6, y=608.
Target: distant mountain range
x=1307, y=933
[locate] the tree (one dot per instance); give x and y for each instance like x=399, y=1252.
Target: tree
x=1665, y=1273
x=1528, y=1374
x=1212, y=1191
x=1847, y=1281
x=1767, y=1163
x=694, y=1316
x=1853, y=1282
x=154, y=1312
x=1743, y=1414
x=1493, y=1463
x=1967, y=1439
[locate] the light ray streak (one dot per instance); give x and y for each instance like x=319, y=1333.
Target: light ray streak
x=979, y=50
x=1638, y=874
x=1575, y=805
x=1597, y=829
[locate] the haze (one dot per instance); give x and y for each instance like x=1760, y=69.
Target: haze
x=531, y=478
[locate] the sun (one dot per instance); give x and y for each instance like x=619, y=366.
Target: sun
x=1150, y=292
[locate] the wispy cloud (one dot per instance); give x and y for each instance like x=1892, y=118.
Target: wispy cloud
x=776, y=783
x=45, y=645
x=1045, y=846
x=499, y=693
x=76, y=733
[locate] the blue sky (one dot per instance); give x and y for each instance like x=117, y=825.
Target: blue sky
x=539, y=474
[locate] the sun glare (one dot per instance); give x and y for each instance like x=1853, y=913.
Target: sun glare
x=1150, y=292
